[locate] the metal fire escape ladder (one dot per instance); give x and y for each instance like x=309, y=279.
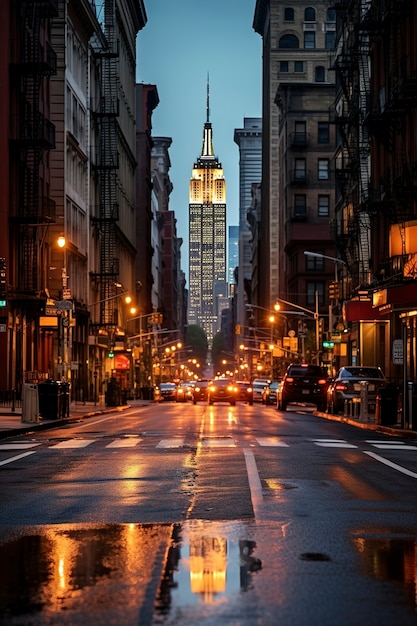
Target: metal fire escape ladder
x=36, y=134
x=364, y=232
x=107, y=164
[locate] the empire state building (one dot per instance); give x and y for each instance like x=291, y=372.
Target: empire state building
x=207, y=236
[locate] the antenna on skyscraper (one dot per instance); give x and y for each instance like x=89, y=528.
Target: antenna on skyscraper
x=208, y=98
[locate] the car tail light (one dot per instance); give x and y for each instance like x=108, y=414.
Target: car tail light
x=289, y=379
x=322, y=381
x=340, y=387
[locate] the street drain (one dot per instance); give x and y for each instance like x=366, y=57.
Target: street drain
x=314, y=556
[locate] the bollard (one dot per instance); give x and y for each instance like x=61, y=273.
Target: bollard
x=364, y=415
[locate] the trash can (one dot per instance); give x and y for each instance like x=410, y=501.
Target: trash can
x=48, y=399
x=386, y=405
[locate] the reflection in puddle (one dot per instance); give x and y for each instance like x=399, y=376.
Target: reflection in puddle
x=391, y=559
x=205, y=569
x=110, y=574
x=63, y=574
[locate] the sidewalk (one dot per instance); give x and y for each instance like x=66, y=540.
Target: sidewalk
x=11, y=423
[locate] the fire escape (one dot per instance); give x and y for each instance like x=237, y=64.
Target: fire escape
x=389, y=115
x=35, y=136
x=355, y=203
x=106, y=165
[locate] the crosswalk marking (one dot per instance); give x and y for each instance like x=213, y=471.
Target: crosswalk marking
x=171, y=443
x=272, y=442
x=333, y=443
x=18, y=446
x=128, y=442
x=394, y=446
x=73, y=443
x=218, y=442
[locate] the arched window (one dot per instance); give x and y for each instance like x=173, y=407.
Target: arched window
x=288, y=41
x=320, y=74
x=288, y=14
x=331, y=15
x=310, y=14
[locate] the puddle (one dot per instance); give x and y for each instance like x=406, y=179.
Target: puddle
x=390, y=559
x=86, y=574
x=121, y=573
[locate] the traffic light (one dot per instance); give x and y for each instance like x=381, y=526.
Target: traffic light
x=3, y=282
x=334, y=291
x=110, y=353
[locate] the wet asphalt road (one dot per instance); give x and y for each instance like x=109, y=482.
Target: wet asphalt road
x=181, y=514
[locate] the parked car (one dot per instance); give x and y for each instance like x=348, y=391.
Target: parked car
x=245, y=391
x=269, y=394
x=348, y=383
x=258, y=385
x=168, y=391
x=199, y=390
x=303, y=382
x=223, y=390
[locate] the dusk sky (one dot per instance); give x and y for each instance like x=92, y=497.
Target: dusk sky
x=181, y=44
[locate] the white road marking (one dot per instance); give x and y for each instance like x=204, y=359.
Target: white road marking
x=127, y=442
x=333, y=443
x=18, y=446
x=16, y=458
x=73, y=443
x=272, y=442
x=398, y=468
x=218, y=442
x=393, y=446
x=255, y=484
x=170, y=443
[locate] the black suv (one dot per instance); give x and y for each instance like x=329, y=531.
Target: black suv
x=304, y=383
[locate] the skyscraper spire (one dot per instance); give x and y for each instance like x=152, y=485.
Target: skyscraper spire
x=207, y=150
x=208, y=99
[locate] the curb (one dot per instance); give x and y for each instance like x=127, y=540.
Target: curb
x=388, y=430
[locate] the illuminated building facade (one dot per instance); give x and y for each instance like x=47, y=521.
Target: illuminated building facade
x=207, y=236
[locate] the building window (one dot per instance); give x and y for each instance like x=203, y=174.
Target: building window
x=323, y=132
x=300, y=206
x=288, y=14
x=289, y=41
x=320, y=74
x=323, y=169
x=310, y=14
x=324, y=206
x=309, y=40
x=331, y=15
x=300, y=169
x=298, y=66
x=315, y=263
x=312, y=287
x=283, y=66
x=330, y=38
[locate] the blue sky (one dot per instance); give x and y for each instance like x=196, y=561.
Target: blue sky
x=182, y=42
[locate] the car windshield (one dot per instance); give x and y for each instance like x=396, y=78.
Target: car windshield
x=310, y=370
x=361, y=372
x=222, y=383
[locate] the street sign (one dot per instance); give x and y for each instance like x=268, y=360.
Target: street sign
x=398, y=352
x=63, y=305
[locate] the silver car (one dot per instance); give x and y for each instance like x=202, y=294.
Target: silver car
x=348, y=384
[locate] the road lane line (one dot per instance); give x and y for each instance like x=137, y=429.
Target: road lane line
x=16, y=458
x=381, y=459
x=255, y=484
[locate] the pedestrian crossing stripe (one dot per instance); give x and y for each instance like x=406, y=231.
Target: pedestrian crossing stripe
x=333, y=443
x=171, y=443
x=73, y=443
x=18, y=446
x=272, y=442
x=127, y=442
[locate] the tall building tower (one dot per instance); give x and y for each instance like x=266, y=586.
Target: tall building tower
x=207, y=238
x=249, y=140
